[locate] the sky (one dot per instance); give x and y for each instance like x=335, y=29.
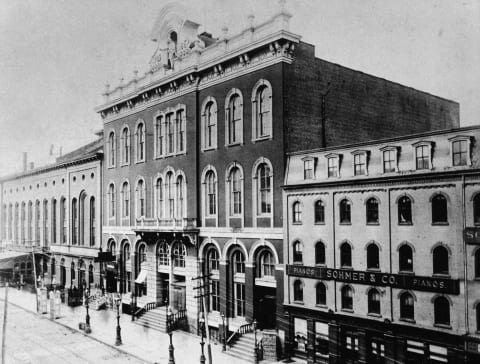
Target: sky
x=57, y=55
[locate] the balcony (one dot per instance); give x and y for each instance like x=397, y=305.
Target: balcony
x=166, y=225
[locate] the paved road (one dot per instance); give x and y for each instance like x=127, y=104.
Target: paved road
x=34, y=339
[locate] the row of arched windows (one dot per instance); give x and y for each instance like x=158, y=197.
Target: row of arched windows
x=47, y=221
x=440, y=257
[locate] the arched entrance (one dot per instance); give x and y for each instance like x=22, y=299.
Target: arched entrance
x=265, y=289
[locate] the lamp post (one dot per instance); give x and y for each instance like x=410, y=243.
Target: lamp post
x=87, y=317
x=224, y=342
x=255, y=351
x=202, y=343
x=118, y=339
x=171, y=358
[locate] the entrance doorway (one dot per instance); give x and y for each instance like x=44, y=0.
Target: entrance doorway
x=265, y=307
x=179, y=297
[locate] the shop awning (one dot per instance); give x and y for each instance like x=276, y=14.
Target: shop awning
x=141, y=276
x=9, y=258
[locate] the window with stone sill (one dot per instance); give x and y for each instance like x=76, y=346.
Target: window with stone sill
x=333, y=166
x=441, y=308
x=360, y=163
x=407, y=309
x=405, y=255
x=234, y=118
x=125, y=146
x=345, y=211
x=440, y=260
x=460, y=151
x=320, y=294
x=439, y=210
x=297, y=212
x=374, y=301
x=262, y=110
x=308, y=168
x=209, y=124
x=297, y=252
x=389, y=160
x=404, y=211
x=140, y=142
x=112, y=150
x=372, y=211
x=423, y=155
x=319, y=212
x=345, y=255
x=298, y=291
x=347, y=298
x=476, y=209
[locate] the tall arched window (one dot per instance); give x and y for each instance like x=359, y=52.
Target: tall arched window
x=213, y=260
x=267, y=264
x=159, y=198
x=162, y=254
x=235, y=191
x=142, y=254
x=180, y=126
x=321, y=294
x=37, y=222
x=405, y=258
x=140, y=198
x=140, y=142
x=234, y=118
x=111, y=149
x=476, y=209
x=74, y=222
x=45, y=223
x=16, y=223
x=374, y=301
x=4, y=221
x=90, y=275
x=170, y=129
x=319, y=211
x=477, y=263
x=72, y=274
x=347, y=298
x=179, y=253
x=439, y=209
x=127, y=276
x=262, y=112
x=297, y=252
x=407, y=310
x=372, y=211
x=125, y=199
x=238, y=262
x=81, y=218
x=210, y=194
x=345, y=255
x=54, y=221
x=345, y=212
x=125, y=145
x=319, y=253
x=404, y=210
x=23, y=227
x=264, y=189
x=180, y=197
x=441, y=308
x=159, y=136
x=31, y=233
x=111, y=200
x=170, y=192
x=373, y=256
x=298, y=291
x=440, y=260
x=297, y=212
x=209, y=122
x=93, y=221
x=63, y=221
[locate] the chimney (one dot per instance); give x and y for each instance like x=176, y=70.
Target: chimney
x=32, y=165
x=24, y=161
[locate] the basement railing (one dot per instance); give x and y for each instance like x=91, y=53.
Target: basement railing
x=242, y=330
x=147, y=307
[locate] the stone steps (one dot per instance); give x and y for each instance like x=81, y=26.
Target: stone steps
x=243, y=348
x=154, y=319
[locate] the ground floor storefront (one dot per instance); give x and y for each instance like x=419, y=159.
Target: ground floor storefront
x=327, y=337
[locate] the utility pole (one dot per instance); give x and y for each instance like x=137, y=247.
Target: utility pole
x=4, y=328
x=204, y=306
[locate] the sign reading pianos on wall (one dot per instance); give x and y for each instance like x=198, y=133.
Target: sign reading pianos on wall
x=402, y=281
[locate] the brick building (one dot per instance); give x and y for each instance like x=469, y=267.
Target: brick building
x=376, y=259
x=195, y=157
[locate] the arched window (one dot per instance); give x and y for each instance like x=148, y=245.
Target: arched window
x=30, y=222
x=238, y=262
x=63, y=221
x=234, y=118
x=235, y=179
x=180, y=197
x=374, y=301
x=23, y=227
x=112, y=247
x=159, y=136
x=439, y=209
x=90, y=275
x=441, y=308
x=140, y=142
x=180, y=126
x=45, y=222
x=93, y=221
x=81, y=218
x=72, y=274
x=297, y=212
x=405, y=258
x=373, y=259
x=179, y=253
x=213, y=262
x=372, y=211
x=298, y=291
x=345, y=255
x=264, y=189
x=170, y=192
x=54, y=221
x=404, y=210
x=74, y=222
x=10, y=222
x=37, y=221
x=477, y=310
x=170, y=129
x=407, y=310
x=111, y=200
x=345, y=212
x=4, y=221
x=159, y=198
x=162, y=254
x=209, y=118
x=477, y=263
x=319, y=208
x=319, y=253
x=125, y=142
x=127, y=276
x=112, y=149
x=210, y=194
x=347, y=298
x=142, y=254
x=262, y=111
x=440, y=260
x=15, y=228
x=267, y=264
x=321, y=294
x=476, y=209
x=140, y=198
x=297, y=252
x=125, y=199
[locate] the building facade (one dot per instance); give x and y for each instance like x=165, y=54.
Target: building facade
x=378, y=270
x=55, y=212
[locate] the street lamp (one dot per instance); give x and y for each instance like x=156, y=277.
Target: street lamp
x=224, y=342
x=118, y=302
x=87, y=317
x=255, y=352
x=171, y=358
x=202, y=343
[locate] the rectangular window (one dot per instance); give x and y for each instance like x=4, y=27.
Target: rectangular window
x=460, y=151
x=308, y=169
x=170, y=133
x=360, y=164
x=389, y=161
x=180, y=122
x=214, y=295
x=239, y=290
x=422, y=157
x=54, y=221
x=63, y=221
x=332, y=167
x=159, y=133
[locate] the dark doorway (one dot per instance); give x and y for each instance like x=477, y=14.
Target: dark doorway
x=265, y=307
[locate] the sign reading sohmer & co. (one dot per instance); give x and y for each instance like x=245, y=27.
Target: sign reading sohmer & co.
x=403, y=281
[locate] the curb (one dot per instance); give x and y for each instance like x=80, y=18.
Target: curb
x=80, y=332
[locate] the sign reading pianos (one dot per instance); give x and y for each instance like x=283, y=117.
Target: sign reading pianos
x=402, y=281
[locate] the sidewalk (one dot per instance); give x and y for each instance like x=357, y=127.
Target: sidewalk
x=146, y=344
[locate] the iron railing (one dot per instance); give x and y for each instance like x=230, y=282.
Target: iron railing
x=242, y=330
x=147, y=307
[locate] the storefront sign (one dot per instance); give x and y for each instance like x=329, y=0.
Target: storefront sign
x=472, y=235
x=402, y=281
